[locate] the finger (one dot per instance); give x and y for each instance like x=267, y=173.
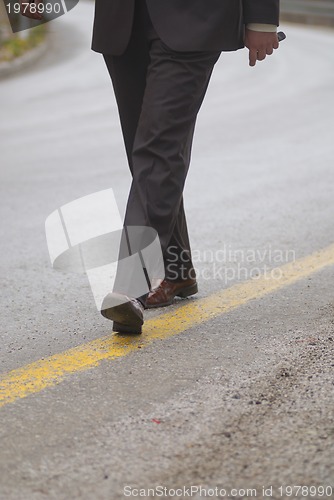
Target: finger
x=276, y=44
x=39, y=6
x=29, y=9
x=261, y=54
x=26, y=12
x=269, y=50
x=252, y=57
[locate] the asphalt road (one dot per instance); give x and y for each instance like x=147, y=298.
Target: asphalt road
x=242, y=399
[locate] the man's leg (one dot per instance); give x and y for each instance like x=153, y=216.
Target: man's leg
x=128, y=74
x=177, y=258
x=175, y=87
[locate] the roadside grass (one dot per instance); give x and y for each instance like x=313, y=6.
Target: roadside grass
x=16, y=46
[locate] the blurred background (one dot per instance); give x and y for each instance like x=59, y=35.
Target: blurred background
x=316, y=12
x=13, y=45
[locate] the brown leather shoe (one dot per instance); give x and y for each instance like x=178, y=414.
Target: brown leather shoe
x=125, y=312
x=164, y=294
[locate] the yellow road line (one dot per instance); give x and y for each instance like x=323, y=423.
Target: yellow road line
x=50, y=371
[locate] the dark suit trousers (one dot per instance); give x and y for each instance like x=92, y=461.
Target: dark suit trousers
x=159, y=93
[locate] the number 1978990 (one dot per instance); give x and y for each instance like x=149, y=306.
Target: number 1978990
x=35, y=8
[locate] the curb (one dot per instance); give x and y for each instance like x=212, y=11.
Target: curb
x=307, y=19
x=309, y=12
x=9, y=68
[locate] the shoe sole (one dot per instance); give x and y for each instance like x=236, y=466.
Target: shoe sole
x=119, y=328
x=125, y=318
x=184, y=293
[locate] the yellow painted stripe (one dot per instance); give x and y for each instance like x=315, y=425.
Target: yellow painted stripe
x=50, y=371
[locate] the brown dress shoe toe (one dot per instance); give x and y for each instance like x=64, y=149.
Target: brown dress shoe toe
x=165, y=293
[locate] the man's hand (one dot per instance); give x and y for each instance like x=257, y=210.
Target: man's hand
x=30, y=9
x=260, y=44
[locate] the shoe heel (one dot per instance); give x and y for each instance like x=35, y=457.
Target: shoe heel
x=186, y=292
x=119, y=328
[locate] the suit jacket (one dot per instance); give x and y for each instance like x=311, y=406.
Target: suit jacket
x=183, y=25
